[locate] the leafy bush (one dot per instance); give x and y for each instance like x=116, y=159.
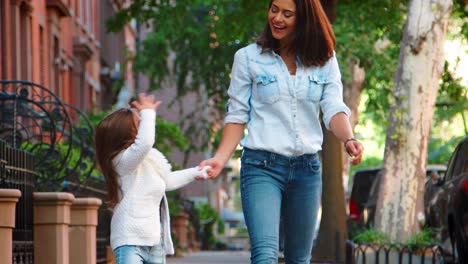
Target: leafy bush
x=372, y=236
x=426, y=237
x=208, y=217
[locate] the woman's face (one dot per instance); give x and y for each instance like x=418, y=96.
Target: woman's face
x=282, y=19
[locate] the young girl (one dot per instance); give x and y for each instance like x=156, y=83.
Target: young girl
x=137, y=176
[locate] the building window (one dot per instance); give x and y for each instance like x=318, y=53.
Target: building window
x=56, y=66
x=82, y=8
x=41, y=56
x=2, y=41
x=24, y=53
x=89, y=17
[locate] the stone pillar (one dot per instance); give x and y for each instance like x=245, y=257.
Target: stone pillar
x=84, y=219
x=8, y=200
x=51, y=223
x=179, y=224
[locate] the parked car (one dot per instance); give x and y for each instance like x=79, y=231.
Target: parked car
x=364, y=193
x=360, y=193
x=446, y=203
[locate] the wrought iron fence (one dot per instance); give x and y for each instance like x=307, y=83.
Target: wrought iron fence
x=45, y=145
x=17, y=172
x=34, y=119
x=394, y=254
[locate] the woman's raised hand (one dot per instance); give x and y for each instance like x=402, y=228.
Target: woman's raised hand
x=146, y=102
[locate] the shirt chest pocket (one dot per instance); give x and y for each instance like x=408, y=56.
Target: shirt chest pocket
x=267, y=88
x=315, y=87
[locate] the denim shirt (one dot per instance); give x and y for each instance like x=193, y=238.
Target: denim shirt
x=282, y=111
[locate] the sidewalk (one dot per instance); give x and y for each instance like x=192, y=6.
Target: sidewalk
x=212, y=257
x=217, y=257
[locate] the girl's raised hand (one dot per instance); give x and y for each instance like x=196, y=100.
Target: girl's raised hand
x=146, y=102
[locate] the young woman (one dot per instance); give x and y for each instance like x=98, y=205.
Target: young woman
x=137, y=176
x=279, y=86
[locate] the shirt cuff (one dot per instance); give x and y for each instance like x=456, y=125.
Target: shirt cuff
x=331, y=113
x=236, y=119
x=148, y=113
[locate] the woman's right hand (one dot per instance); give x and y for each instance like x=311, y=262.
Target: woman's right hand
x=146, y=102
x=216, y=164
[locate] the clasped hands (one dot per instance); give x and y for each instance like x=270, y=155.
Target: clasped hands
x=203, y=172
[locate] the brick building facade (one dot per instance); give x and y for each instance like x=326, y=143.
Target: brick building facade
x=63, y=45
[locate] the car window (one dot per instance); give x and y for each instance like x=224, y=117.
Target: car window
x=433, y=175
x=362, y=183
x=459, y=161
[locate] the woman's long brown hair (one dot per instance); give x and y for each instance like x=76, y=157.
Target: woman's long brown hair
x=313, y=40
x=114, y=133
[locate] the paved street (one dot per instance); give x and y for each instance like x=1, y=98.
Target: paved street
x=213, y=257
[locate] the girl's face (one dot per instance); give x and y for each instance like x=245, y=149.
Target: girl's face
x=282, y=19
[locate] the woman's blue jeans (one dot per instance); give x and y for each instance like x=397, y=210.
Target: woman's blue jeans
x=140, y=254
x=274, y=186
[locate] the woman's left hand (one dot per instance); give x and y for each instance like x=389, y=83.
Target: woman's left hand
x=355, y=149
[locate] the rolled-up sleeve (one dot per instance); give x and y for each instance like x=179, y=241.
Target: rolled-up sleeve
x=240, y=90
x=332, y=98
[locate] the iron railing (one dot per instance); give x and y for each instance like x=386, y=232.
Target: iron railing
x=17, y=172
x=46, y=145
x=357, y=253
x=60, y=137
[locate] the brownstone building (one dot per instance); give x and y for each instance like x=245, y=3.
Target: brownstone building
x=63, y=45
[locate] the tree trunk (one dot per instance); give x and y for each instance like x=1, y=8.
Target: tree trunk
x=352, y=97
x=333, y=232
x=414, y=93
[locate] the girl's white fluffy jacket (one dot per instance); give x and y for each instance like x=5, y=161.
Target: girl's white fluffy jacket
x=144, y=176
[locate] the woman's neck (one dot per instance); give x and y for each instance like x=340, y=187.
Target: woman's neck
x=290, y=60
x=285, y=45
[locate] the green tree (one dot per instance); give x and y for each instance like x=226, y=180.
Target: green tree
x=193, y=42
x=400, y=201
x=168, y=135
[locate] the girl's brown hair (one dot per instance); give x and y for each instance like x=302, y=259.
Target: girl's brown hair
x=114, y=133
x=313, y=39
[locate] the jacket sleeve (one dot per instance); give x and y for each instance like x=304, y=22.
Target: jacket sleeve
x=180, y=178
x=131, y=157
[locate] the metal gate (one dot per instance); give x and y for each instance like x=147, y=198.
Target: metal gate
x=45, y=145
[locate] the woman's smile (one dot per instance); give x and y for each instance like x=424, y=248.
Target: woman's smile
x=282, y=19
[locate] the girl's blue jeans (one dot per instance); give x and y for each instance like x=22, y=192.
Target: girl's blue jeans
x=140, y=254
x=274, y=186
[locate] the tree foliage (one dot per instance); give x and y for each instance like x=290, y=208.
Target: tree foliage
x=168, y=135
x=370, y=32
x=193, y=42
